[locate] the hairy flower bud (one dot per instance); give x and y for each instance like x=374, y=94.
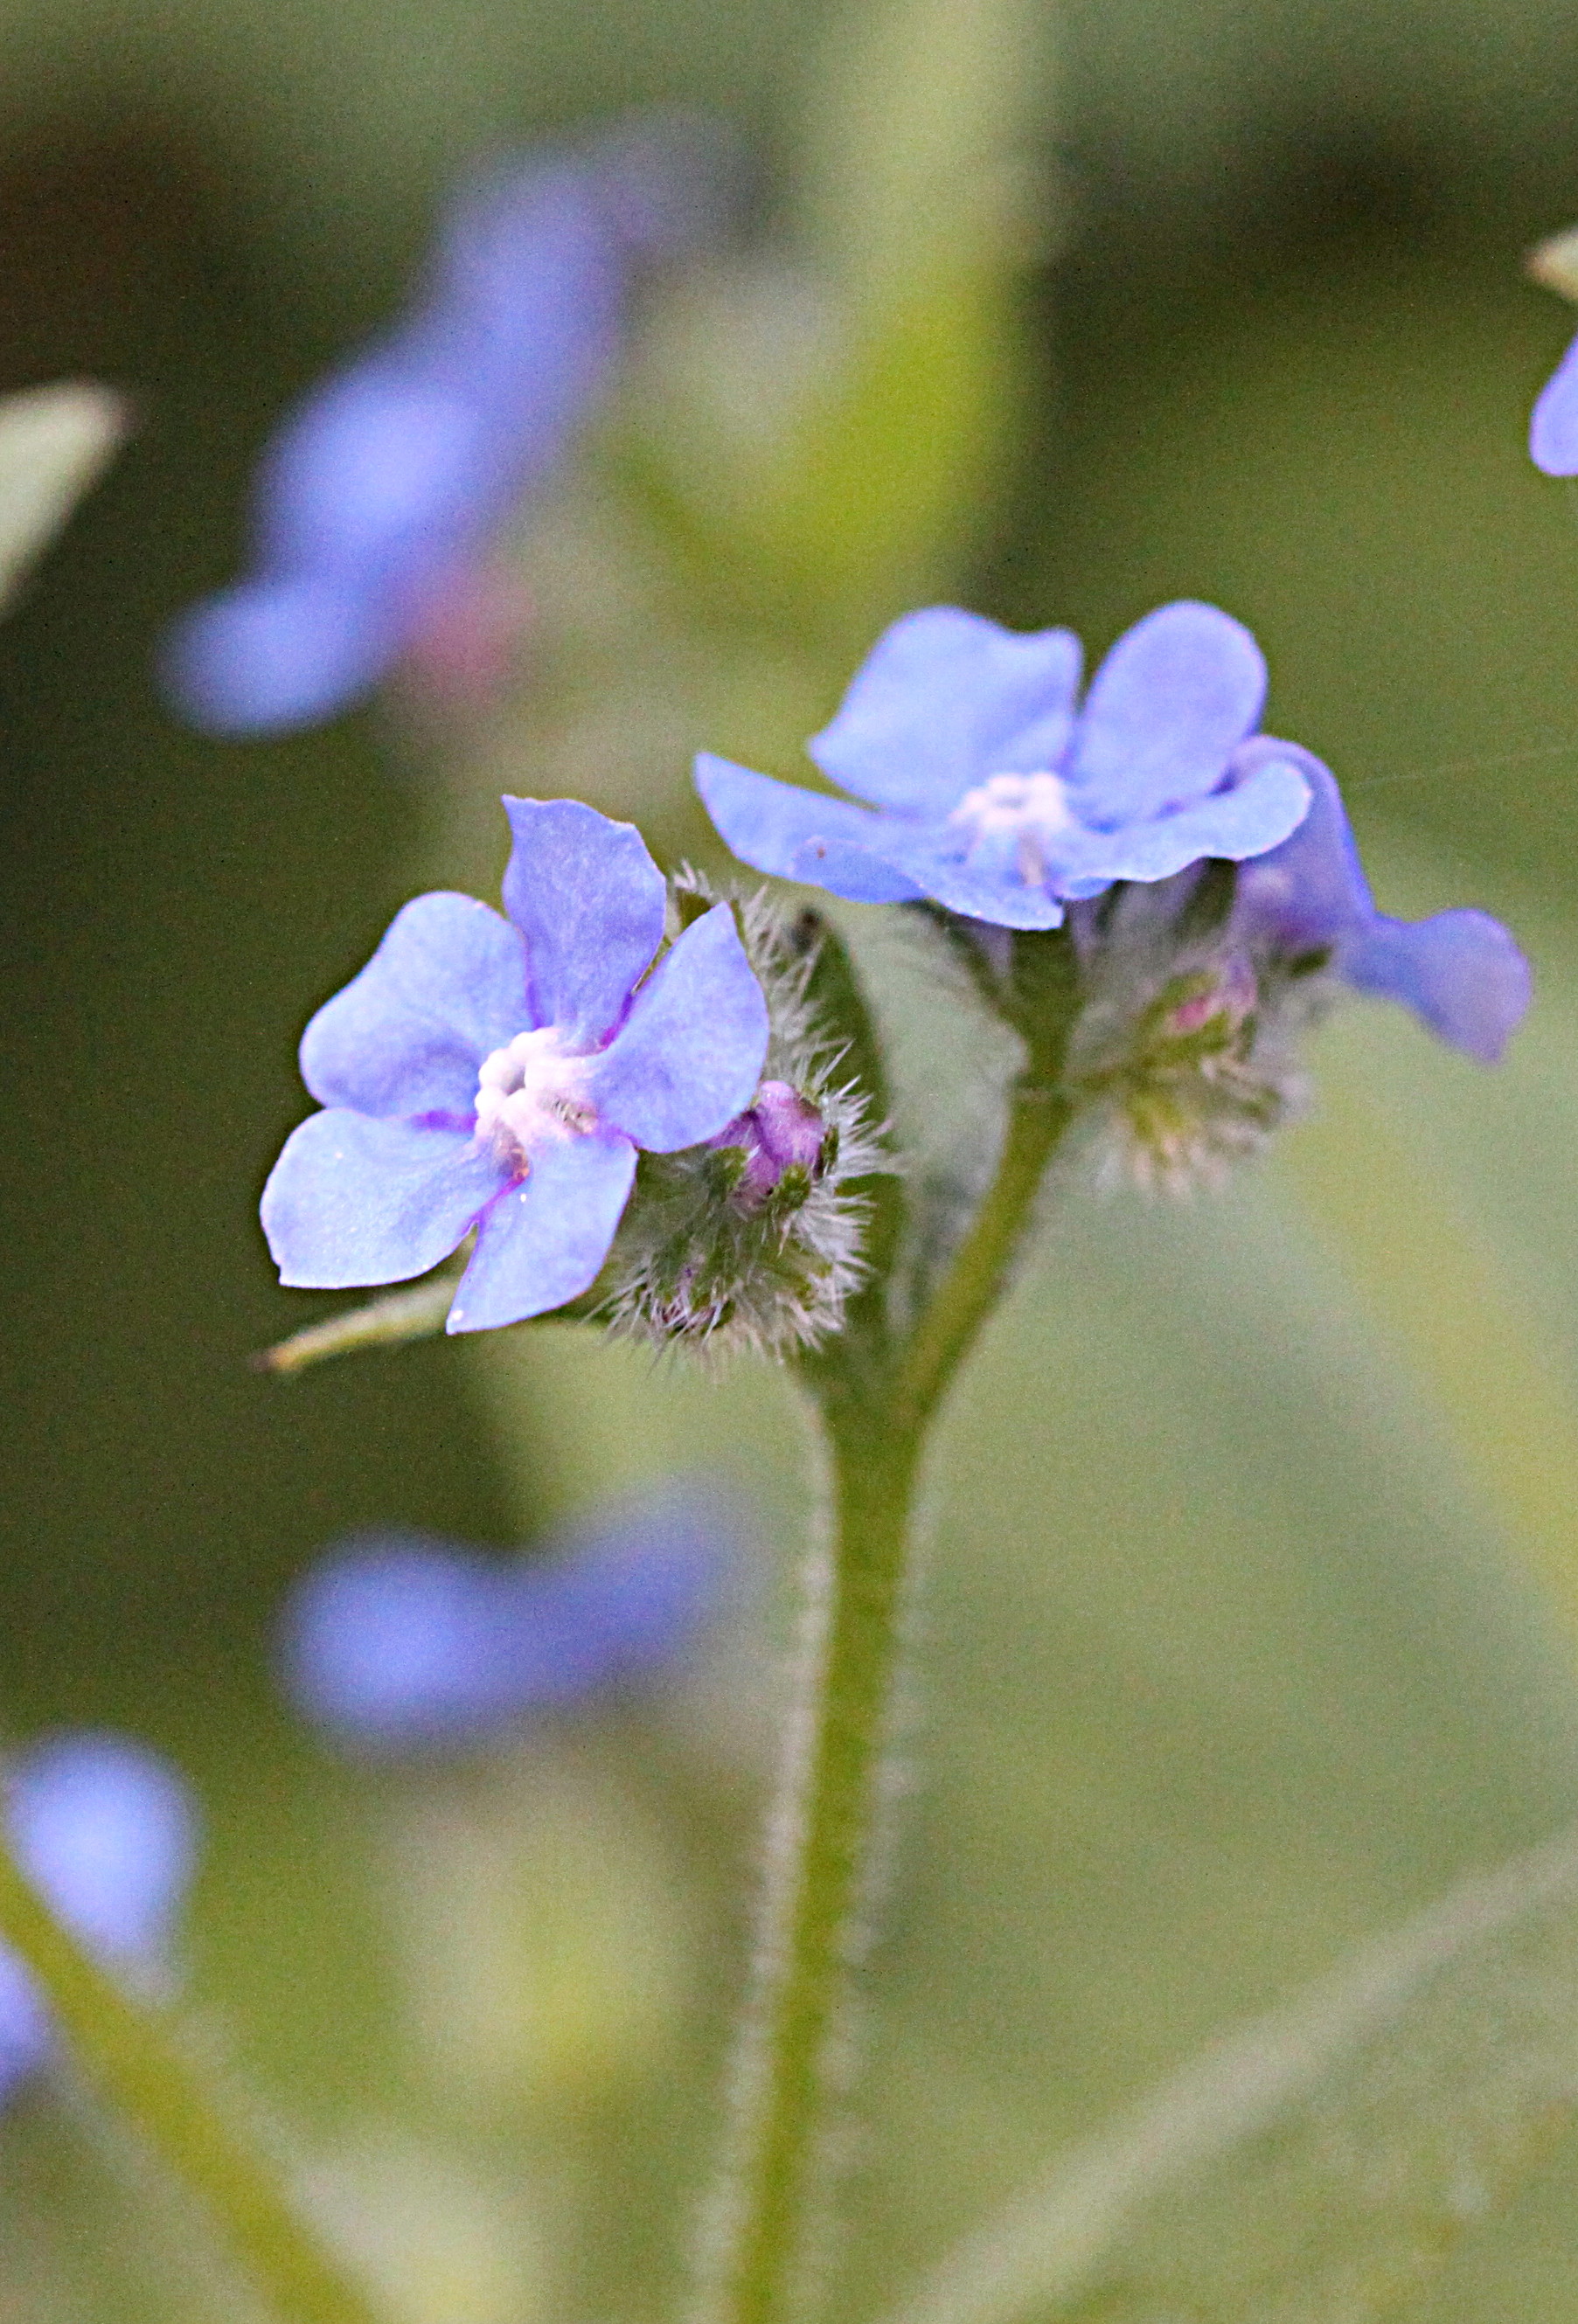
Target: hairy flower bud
x=782, y=1136
x=1185, y=1054
x=752, y=1238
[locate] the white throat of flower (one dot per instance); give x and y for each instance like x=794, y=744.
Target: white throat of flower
x=528, y=1092
x=1021, y=813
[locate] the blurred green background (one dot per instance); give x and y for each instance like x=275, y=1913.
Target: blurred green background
x=1252, y=1617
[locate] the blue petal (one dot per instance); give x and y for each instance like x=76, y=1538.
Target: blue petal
x=590, y=902
x=544, y=1240
x=529, y=291
x=446, y=987
x=383, y=468
x=625, y=1593
x=1170, y=703
x=272, y=654
x=690, y=1054
x=1553, y=431
x=401, y=1638
x=935, y=857
x=1310, y=890
x=802, y=835
x=107, y=1831
x=352, y=1201
x=945, y=698
x=1460, y=972
x=26, y=2034
x=1244, y=821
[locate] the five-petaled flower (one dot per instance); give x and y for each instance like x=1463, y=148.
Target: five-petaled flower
x=992, y=792
x=480, y=1075
x=1459, y=971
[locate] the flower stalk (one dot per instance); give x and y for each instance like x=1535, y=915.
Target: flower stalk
x=876, y=1392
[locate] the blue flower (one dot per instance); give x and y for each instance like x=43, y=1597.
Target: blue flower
x=383, y=489
x=1460, y=972
x=496, y=1076
x=106, y=1833
x=1553, y=430
x=996, y=795
x=395, y=1641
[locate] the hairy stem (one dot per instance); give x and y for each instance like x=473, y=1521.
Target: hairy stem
x=1038, y=1114
x=877, y=1401
x=128, y=2053
x=794, y=2055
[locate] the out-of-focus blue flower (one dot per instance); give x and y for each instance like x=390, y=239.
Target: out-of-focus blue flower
x=1553, y=430
x=1460, y=970
x=386, y=483
x=496, y=1076
x=992, y=792
x=106, y=1832
x=399, y=1640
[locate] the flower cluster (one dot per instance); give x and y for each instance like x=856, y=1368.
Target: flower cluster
x=378, y=498
x=401, y=1641
x=107, y=1833
x=495, y=1078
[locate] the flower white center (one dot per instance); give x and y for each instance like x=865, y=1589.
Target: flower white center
x=531, y=1090
x=1021, y=812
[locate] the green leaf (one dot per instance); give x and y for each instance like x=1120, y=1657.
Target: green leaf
x=1316, y=2167
x=55, y=443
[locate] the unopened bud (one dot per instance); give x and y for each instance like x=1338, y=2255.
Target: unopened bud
x=1230, y=995
x=779, y=1131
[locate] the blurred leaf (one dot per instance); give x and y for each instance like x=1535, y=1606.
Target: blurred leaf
x=819, y=434
x=1554, y=262
x=55, y=443
x=1449, y=1241
x=1318, y=2165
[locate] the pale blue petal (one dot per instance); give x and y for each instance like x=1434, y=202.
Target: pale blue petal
x=590, y=902
x=1247, y=820
x=352, y=1201
x=690, y=1054
x=27, y=2038
x=1311, y=891
x=446, y=987
x=107, y=1831
x=384, y=466
x=1174, y=698
x=401, y=1639
x=529, y=293
x=799, y=835
x=974, y=883
x=544, y=1240
x=945, y=698
x=1460, y=972
x=1553, y=431
x=276, y=653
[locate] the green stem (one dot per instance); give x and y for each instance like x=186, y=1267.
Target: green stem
x=796, y=2038
x=1038, y=1114
x=876, y=1405
x=128, y=2052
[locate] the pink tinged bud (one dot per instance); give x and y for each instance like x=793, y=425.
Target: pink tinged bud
x=1232, y=994
x=780, y=1131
